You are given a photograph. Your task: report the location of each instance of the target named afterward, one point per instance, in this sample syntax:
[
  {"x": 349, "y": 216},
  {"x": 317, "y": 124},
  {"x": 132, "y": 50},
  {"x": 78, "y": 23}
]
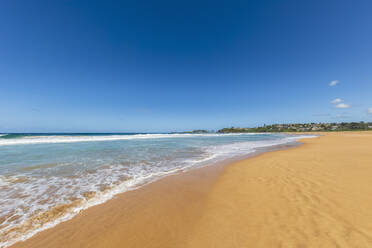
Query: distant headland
[{"x": 302, "y": 127}]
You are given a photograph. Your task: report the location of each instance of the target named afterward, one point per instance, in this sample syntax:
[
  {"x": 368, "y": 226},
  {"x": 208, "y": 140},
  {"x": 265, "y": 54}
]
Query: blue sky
[{"x": 142, "y": 66}]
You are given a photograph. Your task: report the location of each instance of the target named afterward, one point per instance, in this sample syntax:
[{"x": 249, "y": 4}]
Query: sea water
[{"x": 49, "y": 178}]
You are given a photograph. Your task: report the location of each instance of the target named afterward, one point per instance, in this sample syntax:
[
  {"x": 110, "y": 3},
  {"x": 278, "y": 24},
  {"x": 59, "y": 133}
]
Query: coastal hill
[{"x": 302, "y": 127}]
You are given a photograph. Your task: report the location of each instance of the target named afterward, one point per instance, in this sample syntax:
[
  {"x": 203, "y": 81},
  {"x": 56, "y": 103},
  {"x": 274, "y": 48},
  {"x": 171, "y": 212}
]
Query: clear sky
[{"x": 166, "y": 65}]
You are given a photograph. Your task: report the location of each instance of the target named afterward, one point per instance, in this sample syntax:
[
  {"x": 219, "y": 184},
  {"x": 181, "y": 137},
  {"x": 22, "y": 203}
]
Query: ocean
[{"x": 49, "y": 178}]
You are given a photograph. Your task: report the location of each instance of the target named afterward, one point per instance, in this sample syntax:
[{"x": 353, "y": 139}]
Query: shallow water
[{"x": 49, "y": 178}]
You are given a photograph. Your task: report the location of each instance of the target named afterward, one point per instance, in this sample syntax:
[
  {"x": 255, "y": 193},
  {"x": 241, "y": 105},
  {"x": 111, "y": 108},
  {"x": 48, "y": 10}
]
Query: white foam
[
  {"x": 243, "y": 148},
  {"x": 85, "y": 138},
  {"x": 99, "y": 198}
]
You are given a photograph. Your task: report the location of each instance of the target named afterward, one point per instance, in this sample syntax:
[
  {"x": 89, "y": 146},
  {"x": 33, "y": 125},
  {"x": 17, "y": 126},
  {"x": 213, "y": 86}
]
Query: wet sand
[{"x": 316, "y": 195}]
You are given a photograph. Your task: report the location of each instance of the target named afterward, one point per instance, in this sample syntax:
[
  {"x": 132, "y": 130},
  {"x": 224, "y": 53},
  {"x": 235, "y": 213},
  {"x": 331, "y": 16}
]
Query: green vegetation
[{"x": 303, "y": 127}]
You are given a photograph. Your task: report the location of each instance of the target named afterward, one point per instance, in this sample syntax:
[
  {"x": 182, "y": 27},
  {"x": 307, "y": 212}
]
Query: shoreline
[
  {"x": 70, "y": 214},
  {"x": 66, "y": 211},
  {"x": 216, "y": 206},
  {"x": 212, "y": 168}
]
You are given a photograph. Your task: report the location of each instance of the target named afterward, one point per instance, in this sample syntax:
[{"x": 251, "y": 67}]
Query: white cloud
[
  {"x": 370, "y": 111},
  {"x": 333, "y": 83},
  {"x": 337, "y": 100},
  {"x": 342, "y": 105}
]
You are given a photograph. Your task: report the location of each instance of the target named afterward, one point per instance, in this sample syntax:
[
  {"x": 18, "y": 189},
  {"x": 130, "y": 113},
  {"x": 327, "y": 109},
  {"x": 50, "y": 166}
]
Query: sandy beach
[{"x": 318, "y": 194}]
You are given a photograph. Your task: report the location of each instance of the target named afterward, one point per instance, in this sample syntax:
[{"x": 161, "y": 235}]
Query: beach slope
[{"x": 316, "y": 195}]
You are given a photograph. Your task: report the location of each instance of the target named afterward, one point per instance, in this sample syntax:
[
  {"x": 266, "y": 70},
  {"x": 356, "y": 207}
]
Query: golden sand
[{"x": 315, "y": 195}]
